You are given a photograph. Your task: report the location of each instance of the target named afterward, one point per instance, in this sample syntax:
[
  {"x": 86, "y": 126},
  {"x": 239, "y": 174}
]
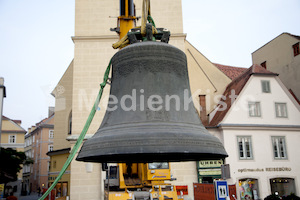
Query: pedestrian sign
[{"x": 221, "y": 189}]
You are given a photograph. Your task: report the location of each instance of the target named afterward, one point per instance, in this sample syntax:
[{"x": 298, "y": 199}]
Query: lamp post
[{"x": 2, "y": 95}]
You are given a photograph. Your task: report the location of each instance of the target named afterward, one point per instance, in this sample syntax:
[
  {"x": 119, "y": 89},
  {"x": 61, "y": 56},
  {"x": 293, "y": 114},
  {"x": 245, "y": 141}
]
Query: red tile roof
[
  {"x": 44, "y": 121},
  {"x": 293, "y": 94},
  {"x": 236, "y": 85},
  {"x": 14, "y": 120},
  {"x": 295, "y": 36},
  {"x": 230, "y": 71}
]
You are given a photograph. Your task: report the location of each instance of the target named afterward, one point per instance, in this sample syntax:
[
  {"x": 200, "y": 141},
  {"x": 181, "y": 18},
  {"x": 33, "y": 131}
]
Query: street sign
[
  {"x": 1, "y": 190},
  {"x": 221, "y": 189}
]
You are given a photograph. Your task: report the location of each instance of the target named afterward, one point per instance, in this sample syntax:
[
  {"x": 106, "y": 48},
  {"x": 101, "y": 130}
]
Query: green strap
[
  {"x": 150, "y": 19},
  {"x": 81, "y": 137}
]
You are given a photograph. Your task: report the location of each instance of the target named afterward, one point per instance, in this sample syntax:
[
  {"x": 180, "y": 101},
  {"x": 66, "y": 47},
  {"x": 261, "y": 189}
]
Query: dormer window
[
  {"x": 265, "y": 86},
  {"x": 296, "y": 49}
]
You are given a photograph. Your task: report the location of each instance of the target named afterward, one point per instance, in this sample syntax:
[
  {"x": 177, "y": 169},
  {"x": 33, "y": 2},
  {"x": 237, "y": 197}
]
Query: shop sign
[
  {"x": 182, "y": 189},
  {"x": 210, "y": 163},
  {"x": 251, "y": 170},
  {"x": 267, "y": 169},
  {"x": 51, "y": 178},
  {"x": 205, "y": 172},
  {"x": 278, "y": 169},
  {"x": 204, "y": 191}
]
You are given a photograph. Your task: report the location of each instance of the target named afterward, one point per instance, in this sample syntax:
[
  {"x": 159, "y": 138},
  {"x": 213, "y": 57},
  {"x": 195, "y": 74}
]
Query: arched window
[{"x": 70, "y": 124}]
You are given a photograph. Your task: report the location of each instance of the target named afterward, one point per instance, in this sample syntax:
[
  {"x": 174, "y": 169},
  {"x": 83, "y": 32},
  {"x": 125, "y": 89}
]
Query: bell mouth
[
  {"x": 152, "y": 157},
  {"x": 151, "y": 142}
]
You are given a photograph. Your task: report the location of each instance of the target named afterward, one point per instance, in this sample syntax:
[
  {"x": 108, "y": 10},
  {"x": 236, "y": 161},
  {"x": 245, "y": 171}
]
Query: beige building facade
[
  {"x": 76, "y": 91},
  {"x": 38, "y": 141},
  {"x": 281, "y": 55},
  {"x": 12, "y": 136},
  {"x": 57, "y": 160}
]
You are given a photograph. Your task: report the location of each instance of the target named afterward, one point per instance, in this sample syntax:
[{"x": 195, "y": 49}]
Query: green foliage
[{"x": 11, "y": 164}]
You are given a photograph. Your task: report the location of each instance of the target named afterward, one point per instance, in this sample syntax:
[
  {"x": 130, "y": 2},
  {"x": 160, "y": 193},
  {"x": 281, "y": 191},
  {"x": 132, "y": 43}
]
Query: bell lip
[{"x": 152, "y": 157}]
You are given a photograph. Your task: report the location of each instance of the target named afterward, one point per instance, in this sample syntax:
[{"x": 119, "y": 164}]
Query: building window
[
  {"x": 245, "y": 147},
  {"x": 264, "y": 64},
  {"x": 281, "y": 110},
  {"x": 296, "y": 49},
  {"x": 279, "y": 147},
  {"x": 254, "y": 109},
  {"x": 51, "y": 134},
  {"x": 50, "y": 147},
  {"x": 12, "y": 139},
  {"x": 265, "y": 85}
]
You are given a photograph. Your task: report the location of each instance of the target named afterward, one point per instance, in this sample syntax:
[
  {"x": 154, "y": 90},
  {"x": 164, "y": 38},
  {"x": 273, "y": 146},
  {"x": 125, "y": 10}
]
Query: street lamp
[{"x": 2, "y": 95}]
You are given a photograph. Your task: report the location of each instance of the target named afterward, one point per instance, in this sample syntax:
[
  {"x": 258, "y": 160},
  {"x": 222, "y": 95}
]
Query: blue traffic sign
[{"x": 221, "y": 189}]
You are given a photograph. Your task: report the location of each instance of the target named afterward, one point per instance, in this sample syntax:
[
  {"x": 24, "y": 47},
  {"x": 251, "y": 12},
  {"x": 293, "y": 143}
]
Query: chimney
[
  {"x": 264, "y": 64},
  {"x": 203, "y": 114},
  {"x": 50, "y": 111}
]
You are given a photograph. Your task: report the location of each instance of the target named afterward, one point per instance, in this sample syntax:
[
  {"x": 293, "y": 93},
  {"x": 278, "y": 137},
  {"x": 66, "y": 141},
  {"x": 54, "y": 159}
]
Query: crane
[{"x": 135, "y": 181}]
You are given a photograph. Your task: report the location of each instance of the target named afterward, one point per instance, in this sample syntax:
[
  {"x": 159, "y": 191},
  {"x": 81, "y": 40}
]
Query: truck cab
[{"x": 137, "y": 181}]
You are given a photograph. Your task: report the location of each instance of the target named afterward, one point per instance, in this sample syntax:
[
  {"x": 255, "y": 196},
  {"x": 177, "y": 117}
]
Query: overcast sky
[{"x": 36, "y": 46}]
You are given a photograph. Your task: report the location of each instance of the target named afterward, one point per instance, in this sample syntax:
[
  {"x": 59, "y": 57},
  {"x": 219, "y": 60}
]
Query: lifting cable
[
  {"x": 82, "y": 135},
  {"x": 146, "y": 16}
]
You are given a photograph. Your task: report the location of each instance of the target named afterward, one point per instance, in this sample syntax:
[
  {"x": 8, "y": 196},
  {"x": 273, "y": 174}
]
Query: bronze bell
[{"x": 151, "y": 116}]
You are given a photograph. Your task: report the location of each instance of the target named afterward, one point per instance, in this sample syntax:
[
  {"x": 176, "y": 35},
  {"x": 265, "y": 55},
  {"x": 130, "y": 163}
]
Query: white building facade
[{"x": 260, "y": 129}]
